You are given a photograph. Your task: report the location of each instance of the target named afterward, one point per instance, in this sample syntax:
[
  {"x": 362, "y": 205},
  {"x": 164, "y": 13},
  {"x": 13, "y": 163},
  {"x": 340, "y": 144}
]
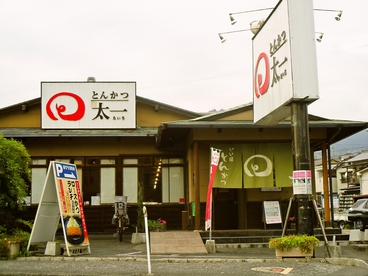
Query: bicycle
[{"x": 120, "y": 218}]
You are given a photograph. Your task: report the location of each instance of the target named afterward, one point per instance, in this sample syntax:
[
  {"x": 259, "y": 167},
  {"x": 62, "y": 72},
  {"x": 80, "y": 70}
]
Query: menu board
[
  {"x": 71, "y": 204},
  {"x": 61, "y": 201},
  {"x": 272, "y": 212}
]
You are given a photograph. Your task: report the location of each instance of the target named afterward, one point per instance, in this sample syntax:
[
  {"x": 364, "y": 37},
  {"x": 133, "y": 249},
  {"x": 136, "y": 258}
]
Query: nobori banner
[
  {"x": 284, "y": 61},
  {"x": 88, "y": 105}
]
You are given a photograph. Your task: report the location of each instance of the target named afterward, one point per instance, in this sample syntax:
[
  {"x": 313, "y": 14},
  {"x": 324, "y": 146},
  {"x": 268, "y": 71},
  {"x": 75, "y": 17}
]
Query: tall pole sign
[
  {"x": 284, "y": 61},
  {"x": 285, "y": 82}
]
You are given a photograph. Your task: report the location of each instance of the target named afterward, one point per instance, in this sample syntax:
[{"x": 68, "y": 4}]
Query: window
[
  {"x": 99, "y": 179},
  {"x": 162, "y": 179},
  {"x": 96, "y": 176},
  {"x": 346, "y": 177}
]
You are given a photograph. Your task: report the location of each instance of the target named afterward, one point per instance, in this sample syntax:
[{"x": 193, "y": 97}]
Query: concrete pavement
[{"x": 109, "y": 257}]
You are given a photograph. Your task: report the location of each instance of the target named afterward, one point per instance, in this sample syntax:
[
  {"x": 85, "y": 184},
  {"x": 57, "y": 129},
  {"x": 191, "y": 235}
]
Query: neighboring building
[
  {"x": 353, "y": 173},
  {"x": 349, "y": 179},
  {"x": 363, "y": 179},
  {"x": 168, "y": 154}
]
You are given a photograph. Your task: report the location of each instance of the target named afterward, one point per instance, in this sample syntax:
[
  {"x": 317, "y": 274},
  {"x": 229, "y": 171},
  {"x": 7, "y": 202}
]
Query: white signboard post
[
  {"x": 284, "y": 61},
  {"x": 88, "y": 105},
  {"x": 61, "y": 199}
]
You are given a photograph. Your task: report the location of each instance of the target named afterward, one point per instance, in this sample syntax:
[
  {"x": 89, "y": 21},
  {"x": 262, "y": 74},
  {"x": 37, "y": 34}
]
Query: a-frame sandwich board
[{"x": 61, "y": 200}]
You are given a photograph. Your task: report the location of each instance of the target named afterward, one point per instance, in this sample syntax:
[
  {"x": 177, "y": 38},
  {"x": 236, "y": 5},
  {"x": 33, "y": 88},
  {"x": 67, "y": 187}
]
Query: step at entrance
[{"x": 177, "y": 242}]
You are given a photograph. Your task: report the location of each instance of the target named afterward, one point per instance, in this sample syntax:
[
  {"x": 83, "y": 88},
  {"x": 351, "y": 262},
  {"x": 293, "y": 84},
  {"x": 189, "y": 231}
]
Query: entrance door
[
  {"x": 225, "y": 209},
  {"x": 255, "y": 215}
]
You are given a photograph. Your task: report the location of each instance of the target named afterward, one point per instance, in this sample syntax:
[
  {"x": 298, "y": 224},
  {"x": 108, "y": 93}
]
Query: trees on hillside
[{"x": 15, "y": 178}]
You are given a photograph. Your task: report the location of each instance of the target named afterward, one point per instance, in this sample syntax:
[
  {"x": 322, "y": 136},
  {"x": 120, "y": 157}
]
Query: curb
[
  {"x": 335, "y": 261},
  {"x": 347, "y": 262}
]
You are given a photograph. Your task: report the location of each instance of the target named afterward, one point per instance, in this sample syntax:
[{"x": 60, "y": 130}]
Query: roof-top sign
[
  {"x": 284, "y": 61},
  {"x": 89, "y": 105}
]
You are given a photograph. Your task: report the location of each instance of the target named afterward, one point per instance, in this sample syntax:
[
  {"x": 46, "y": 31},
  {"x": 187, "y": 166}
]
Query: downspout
[{"x": 196, "y": 186}]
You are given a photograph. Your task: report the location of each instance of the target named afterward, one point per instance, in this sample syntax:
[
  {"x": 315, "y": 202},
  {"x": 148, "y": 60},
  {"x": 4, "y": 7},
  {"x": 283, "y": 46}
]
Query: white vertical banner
[{"x": 215, "y": 157}]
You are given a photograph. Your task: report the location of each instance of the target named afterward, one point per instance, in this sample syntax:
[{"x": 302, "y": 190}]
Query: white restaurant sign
[
  {"x": 284, "y": 61},
  {"x": 88, "y": 105}
]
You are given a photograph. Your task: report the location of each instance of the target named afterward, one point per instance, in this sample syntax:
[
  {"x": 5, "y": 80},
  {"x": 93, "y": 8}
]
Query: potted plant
[
  {"x": 13, "y": 245},
  {"x": 157, "y": 225},
  {"x": 294, "y": 245}
]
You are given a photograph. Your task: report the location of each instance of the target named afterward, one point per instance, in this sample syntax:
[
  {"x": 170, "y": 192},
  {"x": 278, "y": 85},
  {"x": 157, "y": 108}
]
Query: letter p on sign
[{"x": 59, "y": 169}]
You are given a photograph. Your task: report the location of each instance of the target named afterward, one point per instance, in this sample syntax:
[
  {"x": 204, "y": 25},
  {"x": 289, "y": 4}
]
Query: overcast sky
[{"x": 172, "y": 50}]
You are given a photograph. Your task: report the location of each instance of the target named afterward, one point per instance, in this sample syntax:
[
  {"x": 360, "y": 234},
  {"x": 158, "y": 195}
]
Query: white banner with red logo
[
  {"x": 88, "y": 105},
  {"x": 215, "y": 157}
]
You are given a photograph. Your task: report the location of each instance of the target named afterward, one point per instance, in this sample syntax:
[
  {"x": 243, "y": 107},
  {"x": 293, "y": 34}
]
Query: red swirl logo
[
  {"x": 260, "y": 84},
  {"x": 60, "y": 109}
]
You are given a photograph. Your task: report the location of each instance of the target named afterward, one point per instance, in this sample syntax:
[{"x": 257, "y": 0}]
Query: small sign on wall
[{"x": 272, "y": 212}]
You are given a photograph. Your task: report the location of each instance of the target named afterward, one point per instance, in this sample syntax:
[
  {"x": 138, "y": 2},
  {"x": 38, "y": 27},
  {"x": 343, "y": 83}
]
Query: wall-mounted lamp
[
  {"x": 223, "y": 39},
  {"x": 337, "y": 17},
  {"x": 232, "y": 20},
  {"x": 319, "y": 38}
]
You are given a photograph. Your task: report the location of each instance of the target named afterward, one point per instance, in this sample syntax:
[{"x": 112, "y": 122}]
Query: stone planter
[
  {"x": 14, "y": 248},
  {"x": 157, "y": 229},
  {"x": 293, "y": 253},
  {"x": 138, "y": 238},
  {"x": 53, "y": 248}
]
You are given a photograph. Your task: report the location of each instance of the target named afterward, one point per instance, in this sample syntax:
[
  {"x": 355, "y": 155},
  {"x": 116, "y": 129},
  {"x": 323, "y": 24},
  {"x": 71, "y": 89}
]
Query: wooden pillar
[
  {"x": 326, "y": 194},
  {"x": 197, "y": 187}
]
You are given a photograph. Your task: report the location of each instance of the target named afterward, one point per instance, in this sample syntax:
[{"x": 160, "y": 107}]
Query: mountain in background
[{"x": 354, "y": 143}]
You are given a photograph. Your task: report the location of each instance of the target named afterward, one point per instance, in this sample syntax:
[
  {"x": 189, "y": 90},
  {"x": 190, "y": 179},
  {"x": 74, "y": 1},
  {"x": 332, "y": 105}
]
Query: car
[
  {"x": 341, "y": 219},
  {"x": 358, "y": 214}
]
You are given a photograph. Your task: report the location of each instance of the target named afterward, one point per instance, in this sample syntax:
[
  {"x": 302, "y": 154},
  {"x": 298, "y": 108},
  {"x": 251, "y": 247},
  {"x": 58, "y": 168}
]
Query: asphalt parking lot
[{"x": 109, "y": 257}]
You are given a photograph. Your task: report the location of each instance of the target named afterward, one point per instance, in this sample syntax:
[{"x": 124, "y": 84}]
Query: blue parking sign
[{"x": 65, "y": 170}]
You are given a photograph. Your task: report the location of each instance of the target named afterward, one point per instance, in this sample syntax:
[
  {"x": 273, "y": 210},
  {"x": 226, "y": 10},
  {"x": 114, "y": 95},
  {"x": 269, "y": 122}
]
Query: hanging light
[
  {"x": 319, "y": 38},
  {"x": 223, "y": 39},
  {"x": 232, "y": 20},
  {"x": 338, "y": 17}
]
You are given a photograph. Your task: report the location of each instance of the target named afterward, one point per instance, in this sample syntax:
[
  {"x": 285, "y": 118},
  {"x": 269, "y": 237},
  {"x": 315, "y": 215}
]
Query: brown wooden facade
[{"x": 170, "y": 133}]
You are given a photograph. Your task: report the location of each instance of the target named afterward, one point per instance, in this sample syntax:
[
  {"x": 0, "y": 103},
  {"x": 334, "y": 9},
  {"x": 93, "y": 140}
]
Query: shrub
[
  {"x": 305, "y": 243},
  {"x": 4, "y": 249}
]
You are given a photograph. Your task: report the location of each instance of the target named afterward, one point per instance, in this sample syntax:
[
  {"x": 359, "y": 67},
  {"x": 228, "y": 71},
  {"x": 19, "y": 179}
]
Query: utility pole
[{"x": 301, "y": 160}]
